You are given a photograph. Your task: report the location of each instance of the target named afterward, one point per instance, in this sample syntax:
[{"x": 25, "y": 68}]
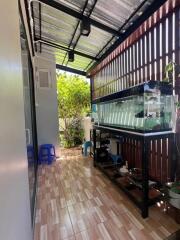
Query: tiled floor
[{"x": 75, "y": 201}]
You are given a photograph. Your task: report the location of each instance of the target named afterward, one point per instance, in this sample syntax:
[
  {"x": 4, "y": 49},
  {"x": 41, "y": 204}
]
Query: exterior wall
[
  {"x": 46, "y": 103},
  {"x": 113, "y": 146},
  {"x": 15, "y": 219},
  {"x": 85, "y": 123}
]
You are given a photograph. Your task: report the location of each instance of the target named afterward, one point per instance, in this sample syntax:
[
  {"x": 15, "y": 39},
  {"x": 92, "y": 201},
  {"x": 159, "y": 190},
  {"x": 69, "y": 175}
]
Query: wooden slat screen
[
  {"x": 143, "y": 55},
  {"x": 160, "y": 157}
]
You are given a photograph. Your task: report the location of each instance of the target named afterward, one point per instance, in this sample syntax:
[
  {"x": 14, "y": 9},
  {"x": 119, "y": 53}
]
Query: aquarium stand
[{"x": 145, "y": 139}]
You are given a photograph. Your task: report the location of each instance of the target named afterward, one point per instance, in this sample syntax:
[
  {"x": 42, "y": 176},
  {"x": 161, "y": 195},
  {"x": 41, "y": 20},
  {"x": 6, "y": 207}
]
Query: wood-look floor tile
[
  {"x": 37, "y": 231},
  {"x": 136, "y": 233},
  {"x": 63, "y": 202},
  {"x": 43, "y": 232},
  {"x": 38, "y": 216},
  {"x": 115, "y": 232},
  {"x": 155, "y": 236},
  {"x": 134, "y": 220},
  {"x": 98, "y": 201},
  {"x": 88, "y": 194},
  {"x": 70, "y": 238},
  {"x": 75, "y": 201},
  {"x": 164, "y": 231},
  {"x": 79, "y": 222},
  {"x": 89, "y": 234},
  {"x": 105, "y": 234},
  {"x": 115, "y": 219},
  {"x": 99, "y": 214}
]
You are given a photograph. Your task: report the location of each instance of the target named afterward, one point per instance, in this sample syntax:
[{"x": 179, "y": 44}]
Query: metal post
[
  {"x": 174, "y": 157},
  {"x": 145, "y": 178},
  {"x": 40, "y": 26},
  {"x": 118, "y": 152},
  {"x": 94, "y": 146},
  {"x": 28, "y": 23}
]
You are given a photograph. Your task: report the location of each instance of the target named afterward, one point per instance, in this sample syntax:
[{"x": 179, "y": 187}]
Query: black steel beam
[
  {"x": 72, "y": 70},
  {"x": 85, "y": 5},
  {"x": 29, "y": 25},
  {"x": 91, "y": 10},
  {"x": 147, "y": 13},
  {"x": 89, "y": 14},
  {"x": 40, "y": 25},
  {"x": 28, "y": 17},
  {"x": 78, "y": 15},
  {"x": 58, "y": 46}
]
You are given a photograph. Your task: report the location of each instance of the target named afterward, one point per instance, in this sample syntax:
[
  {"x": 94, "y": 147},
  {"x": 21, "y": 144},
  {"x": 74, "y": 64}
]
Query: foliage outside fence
[{"x": 73, "y": 105}]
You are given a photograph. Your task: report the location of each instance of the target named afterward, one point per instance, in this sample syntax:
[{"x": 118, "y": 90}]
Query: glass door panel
[{"x": 30, "y": 115}]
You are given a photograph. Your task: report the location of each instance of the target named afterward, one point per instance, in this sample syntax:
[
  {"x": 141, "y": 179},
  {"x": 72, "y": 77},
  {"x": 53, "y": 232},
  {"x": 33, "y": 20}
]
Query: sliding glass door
[{"x": 30, "y": 115}]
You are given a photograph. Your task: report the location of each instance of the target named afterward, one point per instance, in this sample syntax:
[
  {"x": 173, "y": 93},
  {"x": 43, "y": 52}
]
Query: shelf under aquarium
[
  {"x": 123, "y": 182},
  {"x": 143, "y": 192}
]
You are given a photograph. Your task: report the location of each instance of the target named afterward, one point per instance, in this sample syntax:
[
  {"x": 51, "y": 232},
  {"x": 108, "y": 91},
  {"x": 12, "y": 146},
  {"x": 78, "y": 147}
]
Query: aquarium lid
[{"x": 156, "y": 87}]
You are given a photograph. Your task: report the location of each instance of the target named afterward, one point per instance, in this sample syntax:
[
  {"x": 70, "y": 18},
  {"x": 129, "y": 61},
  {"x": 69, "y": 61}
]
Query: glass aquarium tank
[{"x": 148, "y": 107}]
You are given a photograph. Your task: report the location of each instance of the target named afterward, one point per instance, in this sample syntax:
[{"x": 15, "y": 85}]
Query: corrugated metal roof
[{"x": 59, "y": 27}]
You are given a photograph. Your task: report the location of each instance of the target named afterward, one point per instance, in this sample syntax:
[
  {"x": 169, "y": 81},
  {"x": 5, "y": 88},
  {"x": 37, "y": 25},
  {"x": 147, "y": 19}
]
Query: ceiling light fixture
[
  {"x": 139, "y": 13},
  {"x": 85, "y": 27},
  {"x": 71, "y": 56}
]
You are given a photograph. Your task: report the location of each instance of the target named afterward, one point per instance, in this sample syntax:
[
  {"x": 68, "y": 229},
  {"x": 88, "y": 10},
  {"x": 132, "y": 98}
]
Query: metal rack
[{"x": 145, "y": 139}]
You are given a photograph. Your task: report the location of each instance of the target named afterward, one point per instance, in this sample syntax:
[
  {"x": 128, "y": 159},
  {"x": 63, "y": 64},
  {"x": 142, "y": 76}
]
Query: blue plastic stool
[
  {"x": 30, "y": 154},
  {"x": 116, "y": 158},
  {"x": 47, "y": 153},
  {"x": 85, "y": 147}
]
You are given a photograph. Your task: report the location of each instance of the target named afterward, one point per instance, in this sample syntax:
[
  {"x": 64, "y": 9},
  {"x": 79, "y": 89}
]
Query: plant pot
[
  {"x": 174, "y": 199},
  {"x": 123, "y": 171}
]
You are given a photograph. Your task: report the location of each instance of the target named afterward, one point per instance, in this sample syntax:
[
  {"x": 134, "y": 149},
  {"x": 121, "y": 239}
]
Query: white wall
[
  {"x": 87, "y": 126},
  {"x": 15, "y": 219},
  {"x": 113, "y": 146},
  {"x": 46, "y": 103}
]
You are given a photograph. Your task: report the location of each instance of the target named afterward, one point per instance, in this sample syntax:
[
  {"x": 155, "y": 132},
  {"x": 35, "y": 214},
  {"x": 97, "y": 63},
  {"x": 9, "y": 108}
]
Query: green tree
[{"x": 73, "y": 104}]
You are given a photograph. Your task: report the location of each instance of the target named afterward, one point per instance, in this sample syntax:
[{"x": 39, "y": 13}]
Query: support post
[
  {"x": 145, "y": 178},
  {"x": 118, "y": 151},
  {"x": 94, "y": 146},
  {"x": 174, "y": 165}
]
